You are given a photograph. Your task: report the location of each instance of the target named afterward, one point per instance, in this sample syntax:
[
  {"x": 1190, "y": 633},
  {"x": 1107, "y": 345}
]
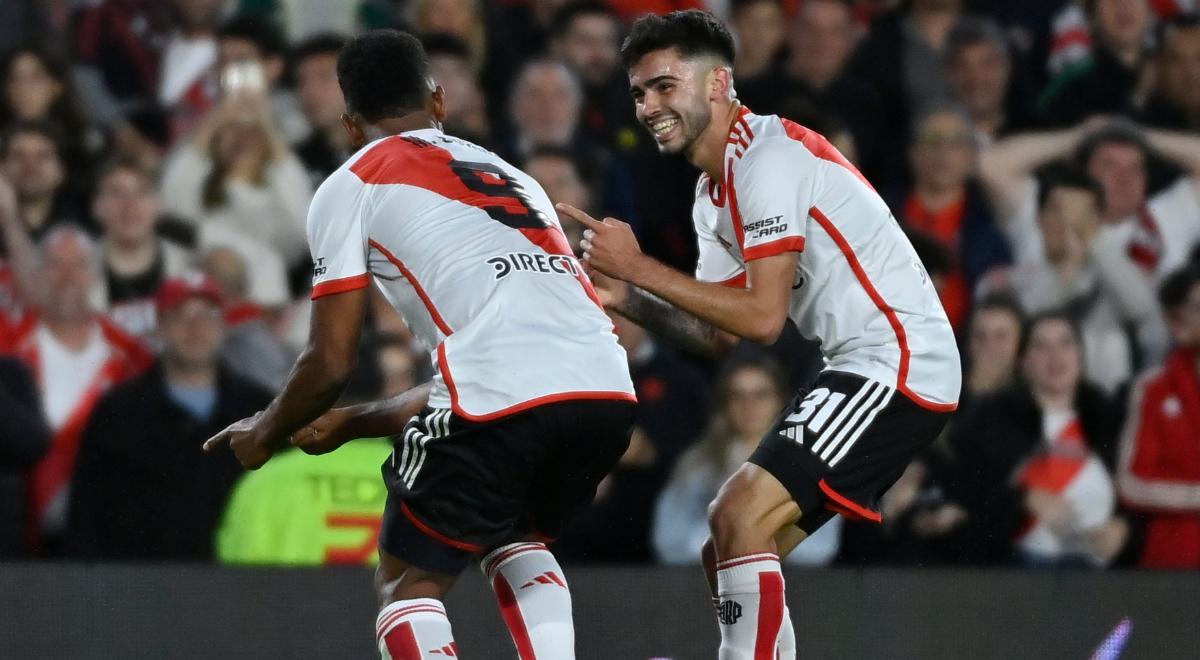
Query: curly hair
[
  {"x": 384, "y": 73},
  {"x": 691, "y": 32}
]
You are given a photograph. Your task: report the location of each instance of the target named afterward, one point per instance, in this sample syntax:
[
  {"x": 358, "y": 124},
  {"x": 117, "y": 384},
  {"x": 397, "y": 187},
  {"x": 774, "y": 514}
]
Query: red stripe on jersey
[
  {"x": 731, "y": 193},
  {"x": 881, "y": 304},
  {"x": 821, "y": 148},
  {"x": 444, "y": 368},
  {"x": 341, "y": 285},
  {"x": 433, "y": 313},
  {"x": 853, "y": 507},
  {"x": 737, "y": 281},
  {"x": 432, "y": 533},
  {"x": 774, "y": 248}
]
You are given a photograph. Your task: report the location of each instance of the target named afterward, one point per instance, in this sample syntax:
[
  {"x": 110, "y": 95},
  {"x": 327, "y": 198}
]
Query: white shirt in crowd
[{"x": 66, "y": 375}]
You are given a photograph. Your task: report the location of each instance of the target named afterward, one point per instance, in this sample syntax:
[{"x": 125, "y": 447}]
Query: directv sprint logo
[{"x": 551, "y": 264}]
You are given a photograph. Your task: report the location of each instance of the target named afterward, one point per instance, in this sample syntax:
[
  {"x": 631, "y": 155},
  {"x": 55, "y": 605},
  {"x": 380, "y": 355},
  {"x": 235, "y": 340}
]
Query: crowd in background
[{"x": 157, "y": 159}]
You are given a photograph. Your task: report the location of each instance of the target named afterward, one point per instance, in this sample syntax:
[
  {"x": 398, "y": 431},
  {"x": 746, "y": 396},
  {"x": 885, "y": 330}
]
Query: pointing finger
[
  {"x": 216, "y": 441},
  {"x": 587, "y": 220}
]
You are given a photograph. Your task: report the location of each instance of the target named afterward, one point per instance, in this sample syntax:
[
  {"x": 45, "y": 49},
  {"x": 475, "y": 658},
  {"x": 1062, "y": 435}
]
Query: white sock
[
  {"x": 415, "y": 629},
  {"x": 751, "y": 612},
  {"x": 534, "y": 600},
  {"x": 787, "y": 637}
]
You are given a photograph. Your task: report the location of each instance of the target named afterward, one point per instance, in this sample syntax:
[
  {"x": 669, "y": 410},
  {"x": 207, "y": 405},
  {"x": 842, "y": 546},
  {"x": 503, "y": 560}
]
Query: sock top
[{"x": 496, "y": 559}]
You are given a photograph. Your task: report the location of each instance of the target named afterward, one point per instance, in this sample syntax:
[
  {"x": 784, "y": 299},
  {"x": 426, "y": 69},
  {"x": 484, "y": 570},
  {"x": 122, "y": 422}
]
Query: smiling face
[{"x": 672, "y": 97}]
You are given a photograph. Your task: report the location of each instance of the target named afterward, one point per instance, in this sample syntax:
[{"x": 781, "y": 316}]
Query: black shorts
[
  {"x": 457, "y": 487},
  {"x": 840, "y": 445}
]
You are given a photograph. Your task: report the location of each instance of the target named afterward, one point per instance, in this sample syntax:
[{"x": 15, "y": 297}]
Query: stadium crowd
[{"x": 157, "y": 159}]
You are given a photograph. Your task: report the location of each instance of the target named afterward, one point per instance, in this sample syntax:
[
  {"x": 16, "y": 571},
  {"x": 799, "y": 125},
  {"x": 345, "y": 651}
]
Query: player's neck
[
  {"x": 414, "y": 121},
  {"x": 708, "y": 151}
]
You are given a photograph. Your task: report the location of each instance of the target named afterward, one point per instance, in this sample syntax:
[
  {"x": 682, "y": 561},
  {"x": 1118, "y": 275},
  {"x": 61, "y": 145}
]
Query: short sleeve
[
  {"x": 773, "y": 190},
  {"x": 337, "y": 235}
]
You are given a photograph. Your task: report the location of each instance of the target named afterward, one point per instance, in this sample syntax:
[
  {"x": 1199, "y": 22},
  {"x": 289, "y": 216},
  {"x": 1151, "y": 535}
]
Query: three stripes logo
[
  {"x": 418, "y": 432},
  {"x": 832, "y": 427},
  {"x": 549, "y": 577}
]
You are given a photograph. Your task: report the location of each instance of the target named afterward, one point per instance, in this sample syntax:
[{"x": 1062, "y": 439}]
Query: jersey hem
[
  {"x": 604, "y": 395},
  {"x": 774, "y": 248},
  {"x": 340, "y": 285}
]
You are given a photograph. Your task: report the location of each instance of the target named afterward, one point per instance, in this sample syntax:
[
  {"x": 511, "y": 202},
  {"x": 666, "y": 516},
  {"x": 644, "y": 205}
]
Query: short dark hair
[
  {"x": 1072, "y": 177},
  {"x": 1116, "y": 132},
  {"x": 327, "y": 43},
  {"x": 41, "y": 127},
  {"x": 384, "y": 73},
  {"x": 1001, "y": 301},
  {"x": 971, "y": 30},
  {"x": 443, "y": 44},
  {"x": 564, "y": 17},
  {"x": 265, "y": 34},
  {"x": 123, "y": 163},
  {"x": 691, "y": 32},
  {"x": 1174, "y": 290}
]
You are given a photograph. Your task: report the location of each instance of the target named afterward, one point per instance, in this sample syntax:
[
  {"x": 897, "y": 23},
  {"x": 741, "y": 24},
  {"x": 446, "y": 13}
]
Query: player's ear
[
  {"x": 721, "y": 83},
  {"x": 438, "y": 104},
  {"x": 358, "y": 138}
]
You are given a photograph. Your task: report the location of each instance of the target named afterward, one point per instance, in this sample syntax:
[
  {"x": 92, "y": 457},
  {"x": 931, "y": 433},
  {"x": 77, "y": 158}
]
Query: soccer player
[
  {"x": 532, "y": 403},
  {"x": 788, "y": 228}
]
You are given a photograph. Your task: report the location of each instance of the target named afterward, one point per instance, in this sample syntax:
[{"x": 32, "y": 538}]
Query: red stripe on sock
[
  {"x": 393, "y": 617},
  {"x": 770, "y": 614},
  {"x": 402, "y": 643},
  {"x": 512, "y": 617},
  {"x": 508, "y": 554}
]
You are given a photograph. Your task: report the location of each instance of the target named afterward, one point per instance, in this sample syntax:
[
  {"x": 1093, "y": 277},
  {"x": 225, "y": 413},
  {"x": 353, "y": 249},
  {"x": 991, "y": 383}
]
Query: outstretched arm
[
  {"x": 314, "y": 385},
  {"x": 669, "y": 322},
  {"x": 1182, "y": 149},
  {"x": 757, "y": 312},
  {"x": 370, "y": 420},
  {"x": 1006, "y": 168}
]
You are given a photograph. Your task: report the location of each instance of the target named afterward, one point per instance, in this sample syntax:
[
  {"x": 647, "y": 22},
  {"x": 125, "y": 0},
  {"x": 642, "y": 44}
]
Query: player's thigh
[
  {"x": 589, "y": 437},
  {"x": 396, "y": 580}
]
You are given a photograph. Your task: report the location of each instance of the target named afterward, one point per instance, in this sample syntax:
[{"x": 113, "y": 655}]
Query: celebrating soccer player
[
  {"x": 532, "y": 403},
  {"x": 788, "y": 228}
]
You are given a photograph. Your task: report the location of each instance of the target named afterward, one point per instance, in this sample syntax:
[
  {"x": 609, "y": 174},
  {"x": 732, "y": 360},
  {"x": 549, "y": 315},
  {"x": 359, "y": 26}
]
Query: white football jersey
[
  {"x": 860, "y": 288},
  {"x": 469, "y": 251}
]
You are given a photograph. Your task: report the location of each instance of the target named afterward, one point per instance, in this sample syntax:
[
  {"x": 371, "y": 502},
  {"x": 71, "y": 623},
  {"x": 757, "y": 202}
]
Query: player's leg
[
  {"x": 412, "y": 623},
  {"x": 587, "y": 439},
  {"x": 535, "y": 601},
  {"x": 751, "y": 508}
]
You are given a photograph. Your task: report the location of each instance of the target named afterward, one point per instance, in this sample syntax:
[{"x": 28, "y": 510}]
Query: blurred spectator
[
  {"x": 1071, "y": 38},
  {"x": 327, "y": 146},
  {"x": 254, "y": 40},
  {"x": 237, "y": 172},
  {"x": 1106, "y": 81},
  {"x": 1159, "y": 464},
  {"x": 32, "y": 161},
  {"x": 119, "y": 47},
  {"x": 250, "y": 349},
  {"x": 24, "y": 439},
  {"x": 136, "y": 259},
  {"x": 401, "y": 370},
  {"x": 466, "y": 107},
  {"x": 1033, "y": 462},
  {"x": 993, "y": 340},
  {"x": 186, "y": 85},
  {"x": 586, "y": 36},
  {"x": 749, "y": 396},
  {"x": 904, "y": 57},
  {"x": 759, "y": 27},
  {"x": 980, "y": 67},
  {"x": 22, "y": 21},
  {"x": 38, "y": 86},
  {"x": 821, "y": 41},
  {"x": 301, "y": 510},
  {"x": 671, "y": 412},
  {"x": 1103, "y": 293},
  {"x": 77, "y": 355},
  {"x": 560, "y": 175},
  {"x": 948, "y": 205},
  {"x": 546, "y": 105},
  {"x": 1156, "y": 232},
  {"x": 1175, "y": 102},
  {"x": 144, "y": 489}
]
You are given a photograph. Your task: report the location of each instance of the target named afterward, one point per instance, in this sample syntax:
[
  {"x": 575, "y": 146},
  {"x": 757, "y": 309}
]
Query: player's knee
[{"x": 727, "y": 515}]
